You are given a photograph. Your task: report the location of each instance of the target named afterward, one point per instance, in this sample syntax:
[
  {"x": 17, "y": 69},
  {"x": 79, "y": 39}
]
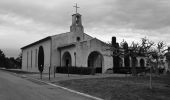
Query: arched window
[{"x": 41, "y": 58}]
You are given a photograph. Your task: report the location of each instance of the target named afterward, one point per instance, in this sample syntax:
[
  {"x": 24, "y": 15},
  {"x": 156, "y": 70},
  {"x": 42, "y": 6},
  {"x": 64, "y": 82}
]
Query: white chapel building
[{"x": 74, "y": 48}]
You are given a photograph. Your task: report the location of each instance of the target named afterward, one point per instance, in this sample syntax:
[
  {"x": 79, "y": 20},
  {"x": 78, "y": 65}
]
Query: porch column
[
  {"x": 138, "y": 64},
  {"x": 130, "y": 59},
  {"x": 123, "y": 62},
  {"x": 145, "y": 60}
]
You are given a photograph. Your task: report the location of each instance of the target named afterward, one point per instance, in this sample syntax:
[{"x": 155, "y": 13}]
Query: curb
[{"x": 64, "y": 88}]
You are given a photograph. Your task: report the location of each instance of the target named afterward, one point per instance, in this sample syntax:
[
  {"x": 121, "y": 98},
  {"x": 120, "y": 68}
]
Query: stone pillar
[
  {"x": 138, "y": 60},
  {"x": 130, "y": 64},
  {"x": 145, "y": 62},
  {"x": 123, "y": 62}
]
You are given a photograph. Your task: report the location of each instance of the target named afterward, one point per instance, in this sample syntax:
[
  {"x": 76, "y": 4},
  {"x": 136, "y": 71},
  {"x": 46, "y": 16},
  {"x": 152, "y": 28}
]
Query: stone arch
[
  {"x": 142, "y": 63},
  {"x": 66, "y": 59},
  {"x": 95, "y": 60},
  {"x": 41, "y": 58}
]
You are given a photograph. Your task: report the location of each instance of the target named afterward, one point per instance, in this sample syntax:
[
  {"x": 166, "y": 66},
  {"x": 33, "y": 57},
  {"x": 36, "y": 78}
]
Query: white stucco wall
[
  {"x": 58, "y": 40},
  {"x": 34, "y": 67},
  {"x": 84, "y": 49},
  {"x": 65, "y": 39}
]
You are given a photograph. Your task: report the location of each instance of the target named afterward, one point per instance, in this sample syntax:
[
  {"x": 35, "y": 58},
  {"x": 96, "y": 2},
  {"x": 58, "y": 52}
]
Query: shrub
[
  {"x": 98, "y": 70},
  {"x": 74, "y": 70},
  {"x": 140, "y": 69},
  {"x": 109, "y": 71},
  {"x": 161, "y": 70},
  {"x": 122, "y": 70},
  {"x": 125, "y": 70}
]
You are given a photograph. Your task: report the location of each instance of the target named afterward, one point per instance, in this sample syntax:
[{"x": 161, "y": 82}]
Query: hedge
[
  {"x": 122, "y": 70},
  {"x": 75, "y": 70},
  {"x": 125, "y": 70},
  {"x": 141, "y": 69}
]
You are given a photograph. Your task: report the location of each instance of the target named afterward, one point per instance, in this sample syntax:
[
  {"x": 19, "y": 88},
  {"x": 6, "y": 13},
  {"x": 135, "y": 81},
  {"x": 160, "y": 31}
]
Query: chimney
[{"x": 113, "y": 41}]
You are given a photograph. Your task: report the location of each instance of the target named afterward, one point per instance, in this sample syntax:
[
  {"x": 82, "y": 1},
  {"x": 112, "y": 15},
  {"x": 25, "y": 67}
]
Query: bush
[
  {"x": 109, "y": 71},
  {"x": 75, "y": 70},
  {"x": 140, "y": 69},
  {"x": 122, "y": 70},
  {"x": 98, "y": 70},
  {"x": 161, "y": 70},
  {"x": 125, "y": 70}
]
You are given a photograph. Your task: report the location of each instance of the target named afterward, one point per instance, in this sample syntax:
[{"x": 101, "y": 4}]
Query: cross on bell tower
[
  {"x": 76, "y": 7},
  {"x": 76, "y": 22}
]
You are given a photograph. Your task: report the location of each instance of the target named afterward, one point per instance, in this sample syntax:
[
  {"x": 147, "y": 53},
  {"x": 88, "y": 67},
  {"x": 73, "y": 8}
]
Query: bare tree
[
  {"x": 160, "y": 50},
  {"x": 134, "y": 51},
  {"x": 124, "y": 51},
  {"x": 114, "y": 52},
  {"x": 146, "y": 48}
]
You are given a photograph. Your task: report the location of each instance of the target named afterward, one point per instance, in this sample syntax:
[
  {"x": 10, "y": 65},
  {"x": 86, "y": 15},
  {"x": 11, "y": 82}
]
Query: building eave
[
  {"x": 66, "y": 46},
  {"x": 34, "y": 43}
]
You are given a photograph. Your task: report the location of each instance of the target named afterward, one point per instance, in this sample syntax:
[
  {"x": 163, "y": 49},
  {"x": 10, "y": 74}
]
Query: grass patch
[{"x": 125, "y": 88}]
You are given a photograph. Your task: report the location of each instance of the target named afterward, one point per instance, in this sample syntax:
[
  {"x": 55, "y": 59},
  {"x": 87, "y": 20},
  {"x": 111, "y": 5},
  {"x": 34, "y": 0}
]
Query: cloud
[
  {"x": 125, "y": 19},
  {"x": 145, "y": 14},
  {"x": 138, "y": 14},
  {"x": 39, "y": 12}
]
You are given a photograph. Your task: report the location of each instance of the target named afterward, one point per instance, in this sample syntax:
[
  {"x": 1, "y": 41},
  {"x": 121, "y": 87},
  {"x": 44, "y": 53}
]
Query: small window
[{"x": 78, "y": 38}]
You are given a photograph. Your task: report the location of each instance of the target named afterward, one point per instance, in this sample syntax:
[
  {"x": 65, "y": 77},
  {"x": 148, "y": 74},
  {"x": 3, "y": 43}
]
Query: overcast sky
[{"x": 25, "y": 21}]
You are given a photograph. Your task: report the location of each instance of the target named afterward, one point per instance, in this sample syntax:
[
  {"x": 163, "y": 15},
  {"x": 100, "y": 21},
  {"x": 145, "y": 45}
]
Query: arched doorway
[
  {"x": 41, "y": 59},
  {"x": 142, "y": 63},
  {"x": 66, "y": 60},
  {"x": 95, "y": 60}
]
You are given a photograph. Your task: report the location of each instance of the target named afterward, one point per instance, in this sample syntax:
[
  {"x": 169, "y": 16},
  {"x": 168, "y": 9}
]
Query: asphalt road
[{"x": 16, "y": 88}]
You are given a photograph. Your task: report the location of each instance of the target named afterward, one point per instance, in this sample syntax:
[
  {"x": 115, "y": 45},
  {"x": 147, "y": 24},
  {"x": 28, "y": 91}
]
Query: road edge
[{"x": 64, "y": 88}]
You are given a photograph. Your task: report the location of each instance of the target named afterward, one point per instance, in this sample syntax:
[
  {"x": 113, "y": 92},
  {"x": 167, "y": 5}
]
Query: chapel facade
[{"x": 74, "y": 48}]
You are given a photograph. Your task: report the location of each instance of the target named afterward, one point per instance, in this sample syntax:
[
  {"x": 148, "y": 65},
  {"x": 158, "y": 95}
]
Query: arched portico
[
  {"x": 66, "y": 59},
  {"x": 142, "y": 63},
  {"x": 95, "y": 60}
]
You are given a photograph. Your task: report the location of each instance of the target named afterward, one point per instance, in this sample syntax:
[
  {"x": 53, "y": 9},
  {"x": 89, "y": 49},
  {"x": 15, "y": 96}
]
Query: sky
[{"x": 25, "y": 21}]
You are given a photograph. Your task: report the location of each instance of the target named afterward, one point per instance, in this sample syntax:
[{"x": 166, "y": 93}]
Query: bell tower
[{"x": 76, "y": 22}]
